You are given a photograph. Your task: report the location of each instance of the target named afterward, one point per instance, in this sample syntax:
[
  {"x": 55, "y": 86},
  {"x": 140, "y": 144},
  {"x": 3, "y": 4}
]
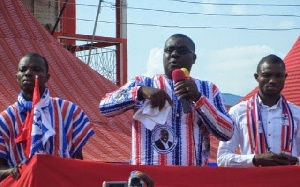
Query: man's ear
[
  {"x": 194, "y": 57},
  {"x": 256, "y": 76},
  {"x": 48, "y": 77}
]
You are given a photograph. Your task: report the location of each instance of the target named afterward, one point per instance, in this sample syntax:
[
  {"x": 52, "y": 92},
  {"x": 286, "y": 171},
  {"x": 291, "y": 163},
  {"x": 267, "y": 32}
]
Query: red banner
[{"x": 49, "y": 171}]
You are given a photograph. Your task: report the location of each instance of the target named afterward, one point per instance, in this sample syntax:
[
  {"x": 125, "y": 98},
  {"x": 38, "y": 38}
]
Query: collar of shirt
[{"x": 277, "y": 105}]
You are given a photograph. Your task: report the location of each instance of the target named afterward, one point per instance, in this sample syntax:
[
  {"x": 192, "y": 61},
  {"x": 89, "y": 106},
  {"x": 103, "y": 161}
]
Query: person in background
[
  {"x": 59, "y": 126},
  {"x": 139, "y": 179},
  {"x": 190, "y": 131},
  {"x": 266, "y": 126}
]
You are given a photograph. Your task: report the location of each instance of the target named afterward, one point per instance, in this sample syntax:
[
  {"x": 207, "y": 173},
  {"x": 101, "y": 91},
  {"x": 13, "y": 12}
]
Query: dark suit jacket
[{"x": 161, "y": 146}]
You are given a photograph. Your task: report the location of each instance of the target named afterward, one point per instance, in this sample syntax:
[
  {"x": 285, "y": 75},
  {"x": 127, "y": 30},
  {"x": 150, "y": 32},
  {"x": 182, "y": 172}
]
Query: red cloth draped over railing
[{"x": 49, "y": 171}]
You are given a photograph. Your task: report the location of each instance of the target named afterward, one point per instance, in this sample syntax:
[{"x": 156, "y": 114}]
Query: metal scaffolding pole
[{"x": 94, "y": 32}]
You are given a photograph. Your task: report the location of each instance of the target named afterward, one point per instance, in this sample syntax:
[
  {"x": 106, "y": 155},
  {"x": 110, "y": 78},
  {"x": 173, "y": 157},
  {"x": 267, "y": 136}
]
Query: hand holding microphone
[{"x": 185, "y": 88}]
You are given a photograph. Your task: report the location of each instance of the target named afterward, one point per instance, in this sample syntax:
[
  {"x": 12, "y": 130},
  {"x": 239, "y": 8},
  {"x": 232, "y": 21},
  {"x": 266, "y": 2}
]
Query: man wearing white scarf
[{"x": 266, "y": 126}]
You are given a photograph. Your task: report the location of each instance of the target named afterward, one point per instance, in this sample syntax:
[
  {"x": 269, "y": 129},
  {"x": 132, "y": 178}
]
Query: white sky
[{"x": 225, "y": 56}]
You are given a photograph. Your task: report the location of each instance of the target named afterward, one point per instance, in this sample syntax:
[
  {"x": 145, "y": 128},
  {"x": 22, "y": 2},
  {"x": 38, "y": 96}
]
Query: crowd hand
[
  {"x": 291, "y": 159},
  {"x": 187, "y": 89},
  {"x": 148, "y": 180},
  {"x": 13, "y": 172},
  {"x": 156, "y": 96},
  {"x": 272, "y": 159}
]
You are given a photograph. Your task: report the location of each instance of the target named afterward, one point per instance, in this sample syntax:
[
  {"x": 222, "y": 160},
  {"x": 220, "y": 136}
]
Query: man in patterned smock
[
  {"x": 188, "y": 132},
  {"x": 60, "y": 127}
]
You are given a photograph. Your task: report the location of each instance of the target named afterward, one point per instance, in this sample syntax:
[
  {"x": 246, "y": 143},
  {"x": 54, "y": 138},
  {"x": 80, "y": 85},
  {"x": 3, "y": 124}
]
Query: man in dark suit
[{"x": 163, "y": 143}]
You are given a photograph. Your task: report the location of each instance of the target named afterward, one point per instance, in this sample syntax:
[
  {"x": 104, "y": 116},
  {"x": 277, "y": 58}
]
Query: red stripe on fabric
[
  {"x": 138, "y": 142},
  {"x": 190, "y": 142},
  {"x": 9, "y": 123},
  {"x": 259, "y": 137},
  {"x": 289, "y": 139},
  {"x": 12, "y": 137},
  {"x": 263, "y": 143},
  {"x": 289, "y": 129},
  {"x": 8, "y": 137},
  {"x": 214, "y": 89},
  {"x": 76, "y": 112},
  {"x": 138, "y": 78},
  {"x": 163, "y": 158},
  {"x": 221, "y": 121},
  {"x": 255, "y": 130},
  {"x": 257, "y": 144},
  {"x": 224, "y": 123},
  {"x": 79, "y": 138},
  {"x": 283, "y": 133},
  {"x": 134, "y": 93},
  {"x": 162, "y": 84},
  {"x": 249, "y": 127},
  {"x": 19, "y": 124},
  {"x": 65, "y": 108},
  {"x": 64, "y": 113},
  {"x": 56, "y": 145},
  {"x": 3, "y": 148},
  {"x": 159, "y": 159},
  {"x": 289, "y": 136}
]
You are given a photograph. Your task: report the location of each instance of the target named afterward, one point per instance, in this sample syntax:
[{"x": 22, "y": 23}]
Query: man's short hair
[
  {"x": 36, "y": 55},
  {"x": 184, "y": 36},
  {"x": 273, "y": 59}
]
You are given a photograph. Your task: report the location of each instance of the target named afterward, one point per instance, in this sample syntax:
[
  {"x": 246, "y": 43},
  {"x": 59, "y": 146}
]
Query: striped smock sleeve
[
  {"x": 4, "y": 137},
  {"x": 77, "y": 125},
  {"x": 211, "y": 109},
  {"x": 124, "y": 98}
]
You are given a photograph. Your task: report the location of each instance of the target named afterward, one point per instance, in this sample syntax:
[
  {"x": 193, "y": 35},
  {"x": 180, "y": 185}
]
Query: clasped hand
[{"x": 272, "y": 159}]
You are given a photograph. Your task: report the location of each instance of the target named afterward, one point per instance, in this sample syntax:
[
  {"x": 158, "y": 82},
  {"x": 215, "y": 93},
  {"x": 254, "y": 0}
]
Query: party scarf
[
  {"x": 36, "y": 128},
  {"x": 256, "y": 131}
]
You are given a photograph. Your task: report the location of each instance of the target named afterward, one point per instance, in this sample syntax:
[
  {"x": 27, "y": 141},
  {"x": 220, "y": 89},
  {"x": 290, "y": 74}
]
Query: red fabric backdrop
[{"x": 49, "y": 171}]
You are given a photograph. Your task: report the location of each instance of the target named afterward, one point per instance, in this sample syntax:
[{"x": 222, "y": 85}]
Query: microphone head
[
  {"x": 178, "y": 75},
  {"x": 186, "y": 72}
]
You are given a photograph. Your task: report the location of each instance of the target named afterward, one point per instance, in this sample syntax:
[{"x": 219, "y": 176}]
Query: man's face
[
  {"x": 28, "y": 68},
  {"x": 164, "y": 135},
  {"x": 271, "y": 79},
  {"x": 178, "y": 53}
]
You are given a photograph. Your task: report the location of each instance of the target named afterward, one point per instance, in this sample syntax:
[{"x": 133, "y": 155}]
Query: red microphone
[{"x": 178, "y": 75}]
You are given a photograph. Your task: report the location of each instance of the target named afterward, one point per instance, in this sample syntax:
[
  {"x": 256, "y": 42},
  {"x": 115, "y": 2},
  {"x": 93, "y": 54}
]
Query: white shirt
[
  {"x": 272, "y": 122},
  {"x": 165, "y": 144}
]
